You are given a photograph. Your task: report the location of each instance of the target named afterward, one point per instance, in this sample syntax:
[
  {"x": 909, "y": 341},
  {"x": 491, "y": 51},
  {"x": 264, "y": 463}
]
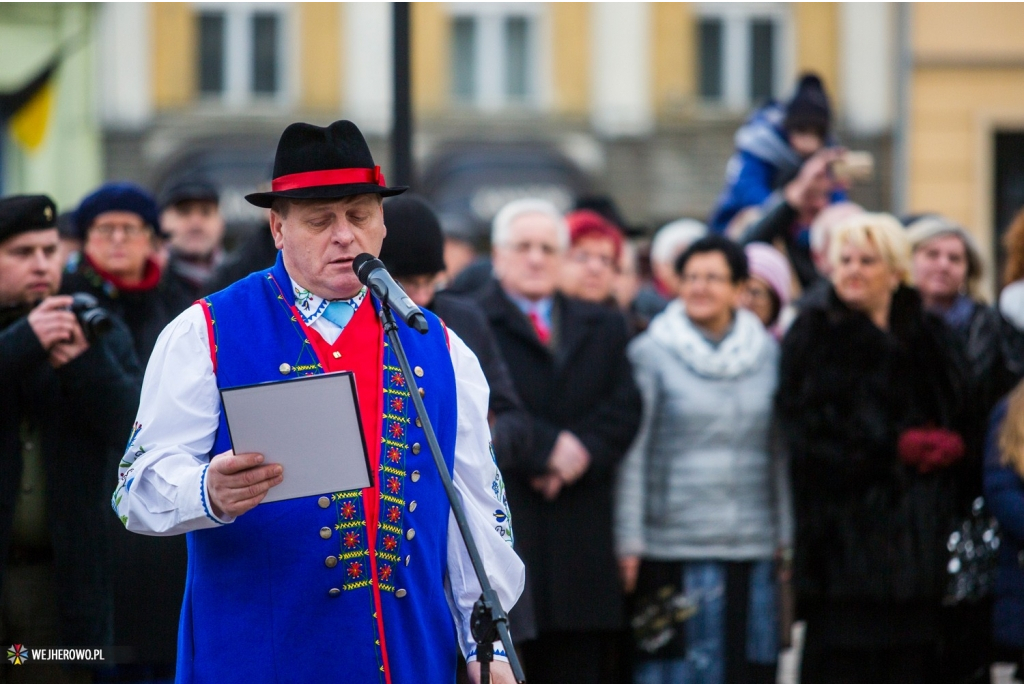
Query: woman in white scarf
[{"x": 703, "y": 502}]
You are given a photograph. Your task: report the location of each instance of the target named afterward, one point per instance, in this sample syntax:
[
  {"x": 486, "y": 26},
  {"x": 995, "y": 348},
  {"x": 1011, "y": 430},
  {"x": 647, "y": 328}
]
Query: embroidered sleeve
[
  {"x": 482, "y": 490},
  {"x": 162, "y": 486}
]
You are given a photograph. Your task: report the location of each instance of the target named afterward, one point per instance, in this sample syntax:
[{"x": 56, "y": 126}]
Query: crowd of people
[{"x": 800, "y": 411}]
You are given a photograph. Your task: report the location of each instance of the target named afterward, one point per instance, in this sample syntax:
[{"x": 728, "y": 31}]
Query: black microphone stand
[{"x": 489, "y": 621}]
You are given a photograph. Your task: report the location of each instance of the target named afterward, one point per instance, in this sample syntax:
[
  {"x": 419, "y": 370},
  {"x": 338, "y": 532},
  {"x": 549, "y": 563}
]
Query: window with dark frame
[
  {"x": 709, "y": 57},
  {"x": 264, "y": 53},
  {"x": 517, "y": 58},
  {"x": 211, "y": 53},
  {"x": 762, "y": 60},
  {"x": 464, "y": 58}
]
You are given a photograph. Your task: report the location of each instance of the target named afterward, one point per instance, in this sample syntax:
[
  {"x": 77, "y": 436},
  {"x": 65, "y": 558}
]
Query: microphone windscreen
[{"x": 359, "y": 262}]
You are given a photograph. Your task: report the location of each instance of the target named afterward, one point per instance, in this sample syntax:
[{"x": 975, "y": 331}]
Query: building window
[
  {"x": 739, "y": 60},
  {"x": 464, "y": 58},
  {"x": 710, "y": 58},
  {"x": 493, "y": 49},
  {"x": 517, "y": 59},
  {"x": 241, "y": 57},
  {"x": 265, "y": 32},
  {"x": 762, "y": 59},
  {"x": 211, "y": 53}
]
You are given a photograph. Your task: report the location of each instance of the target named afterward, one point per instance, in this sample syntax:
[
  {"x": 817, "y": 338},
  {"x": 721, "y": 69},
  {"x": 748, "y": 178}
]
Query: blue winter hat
[{"x": 116, "y": 197}]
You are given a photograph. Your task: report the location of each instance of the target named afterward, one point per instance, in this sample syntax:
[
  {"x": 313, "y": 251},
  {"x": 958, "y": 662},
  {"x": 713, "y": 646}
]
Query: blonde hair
[
  {"x": 1011, "y": 435},
  {"x": 882, "y": 231}
]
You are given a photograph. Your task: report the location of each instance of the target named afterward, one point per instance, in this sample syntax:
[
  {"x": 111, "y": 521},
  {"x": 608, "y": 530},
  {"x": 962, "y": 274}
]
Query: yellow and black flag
[{"x": 27, "y": 109}]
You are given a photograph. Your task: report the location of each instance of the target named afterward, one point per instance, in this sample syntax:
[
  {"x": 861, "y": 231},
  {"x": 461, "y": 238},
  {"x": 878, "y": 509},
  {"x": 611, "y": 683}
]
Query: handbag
[
  {"x": 661, "y": 609},
  {"x": 973, "y": 548}
]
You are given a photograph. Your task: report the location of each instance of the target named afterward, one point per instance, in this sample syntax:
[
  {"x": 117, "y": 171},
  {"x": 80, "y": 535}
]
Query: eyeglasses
[
  {"x": 581, "y": 257},
  {"x": 131, "y": 231},
  {"x": 710, "y": 279}
]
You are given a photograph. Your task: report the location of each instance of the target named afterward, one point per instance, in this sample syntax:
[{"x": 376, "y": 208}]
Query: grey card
[{"x": 309, "y": 425}]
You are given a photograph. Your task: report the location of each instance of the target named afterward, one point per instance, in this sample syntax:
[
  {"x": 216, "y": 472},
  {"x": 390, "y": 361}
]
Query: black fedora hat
[{"x": 323, "y": 163}]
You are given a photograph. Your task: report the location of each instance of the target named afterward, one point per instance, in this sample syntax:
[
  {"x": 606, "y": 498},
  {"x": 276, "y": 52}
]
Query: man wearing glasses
[{"x": 118, "y": 265}]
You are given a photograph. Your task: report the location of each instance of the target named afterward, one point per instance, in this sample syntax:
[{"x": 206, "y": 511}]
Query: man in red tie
[{"x": 567, "y": 360}]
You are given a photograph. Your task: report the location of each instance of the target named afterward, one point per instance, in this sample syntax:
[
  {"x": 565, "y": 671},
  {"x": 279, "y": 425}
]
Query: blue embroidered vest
[{"x": 287, "y": 592}]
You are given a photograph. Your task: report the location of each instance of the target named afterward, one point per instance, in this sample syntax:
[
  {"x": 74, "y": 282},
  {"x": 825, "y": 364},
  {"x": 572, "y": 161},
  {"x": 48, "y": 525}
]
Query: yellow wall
[
  {"x": 968, "y": 82},
  {"x": 429, "y": 27},
  {"x": 673, "y": 54},
  {"x": 816, "y": 25},
  {"x": 978, "y": 30},
  {"x": 570, "y": 54},
  {"x": 173, "y": 31},
  {"x": 320, "y": 50},
  {"x": 955, "y": 113}
]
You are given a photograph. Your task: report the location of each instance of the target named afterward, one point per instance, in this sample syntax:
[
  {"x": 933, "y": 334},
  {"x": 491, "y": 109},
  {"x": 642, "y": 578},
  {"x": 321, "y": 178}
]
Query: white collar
[{"x": 311, "y": 306}]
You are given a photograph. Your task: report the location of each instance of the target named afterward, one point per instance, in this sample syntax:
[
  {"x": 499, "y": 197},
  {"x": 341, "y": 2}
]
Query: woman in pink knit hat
[{"x": 769, "y": 288}]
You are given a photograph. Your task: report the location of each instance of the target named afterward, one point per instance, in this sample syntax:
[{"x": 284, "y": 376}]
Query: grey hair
[
  {"x": 673, "y": 238},
  {"x": 501, "y": 227}
]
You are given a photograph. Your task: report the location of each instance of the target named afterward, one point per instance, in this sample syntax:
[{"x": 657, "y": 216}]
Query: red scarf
[{"x": 150, "y": 277}]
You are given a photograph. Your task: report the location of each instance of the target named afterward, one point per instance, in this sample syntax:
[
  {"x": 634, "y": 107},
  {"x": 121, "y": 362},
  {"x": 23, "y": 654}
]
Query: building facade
[
  {"x": 638, "y": 100},
  {"x": 642, "y": 99},
  {"x": 965, "y": 115}
]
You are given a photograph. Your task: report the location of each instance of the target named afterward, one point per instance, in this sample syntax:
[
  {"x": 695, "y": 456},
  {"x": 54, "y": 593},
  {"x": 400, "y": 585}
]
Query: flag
[{"x": 28, "y": 108}]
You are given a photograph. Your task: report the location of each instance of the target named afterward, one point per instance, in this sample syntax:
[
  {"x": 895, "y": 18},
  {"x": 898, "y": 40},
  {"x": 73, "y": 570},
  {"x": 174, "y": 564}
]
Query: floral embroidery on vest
[{"x": 394, "y": 446}]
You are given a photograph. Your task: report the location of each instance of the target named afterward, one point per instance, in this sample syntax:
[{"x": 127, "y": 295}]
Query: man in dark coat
[
  {"x": 67, "y": 404},
  {"x": 118, "y": 223},
  {"x": 413, "y": 252},
  {"x": 190, "y": 216},
  {"x": 571, "y": 371}
]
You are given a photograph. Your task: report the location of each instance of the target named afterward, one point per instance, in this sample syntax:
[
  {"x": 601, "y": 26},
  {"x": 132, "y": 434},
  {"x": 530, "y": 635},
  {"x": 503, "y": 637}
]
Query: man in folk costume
[{"x": 358, "y": 586}]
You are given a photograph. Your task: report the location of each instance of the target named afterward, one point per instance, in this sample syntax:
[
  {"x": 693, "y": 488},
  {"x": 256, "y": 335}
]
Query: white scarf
[{"x": 737, "y": 354}]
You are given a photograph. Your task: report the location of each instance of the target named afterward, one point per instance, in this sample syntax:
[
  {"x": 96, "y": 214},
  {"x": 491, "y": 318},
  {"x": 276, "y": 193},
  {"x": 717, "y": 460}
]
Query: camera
[{"x": 94, "y": 320}]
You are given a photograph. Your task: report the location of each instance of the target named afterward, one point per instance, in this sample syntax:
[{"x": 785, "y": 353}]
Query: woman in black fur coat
[{"x": 870, "y": 402}]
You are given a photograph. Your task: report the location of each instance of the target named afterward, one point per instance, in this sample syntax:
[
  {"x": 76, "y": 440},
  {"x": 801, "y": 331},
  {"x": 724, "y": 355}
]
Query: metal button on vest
[
  {"x": 416, "y": 448},
  {"x": 419, "y": 424},
  {"x": 334, "y": 592},
  {"x": 331, "y": 562},
  {"x": 423, "y": 392},
  {"x": 285, "y": 368},
  {"x": 415, "y": 476},
  {"x": 408, "y": 558},
  {"x": 412, "y": 505},
  {"x": 324, "y": 502},
  {"x": 410, "y": 534},
  {"x": 418, "y": 371},
  {"x": 400, "y": 593},
  {"x": 325, "y": 532}
]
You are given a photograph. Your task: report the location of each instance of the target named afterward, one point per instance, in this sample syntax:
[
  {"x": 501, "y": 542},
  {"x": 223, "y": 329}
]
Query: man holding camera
[{"x": 68, "y": 400}]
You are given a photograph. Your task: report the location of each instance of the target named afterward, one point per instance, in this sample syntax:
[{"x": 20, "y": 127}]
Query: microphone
[{"x": 373, "y": 274}]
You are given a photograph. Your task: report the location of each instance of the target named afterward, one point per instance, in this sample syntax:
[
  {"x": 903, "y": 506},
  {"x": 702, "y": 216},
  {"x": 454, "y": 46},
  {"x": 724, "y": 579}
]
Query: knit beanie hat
[
  {"x": 809, "y": 107},
  {"x": 769, "y": 265},
  {"x": 414, "y": 244},
  {"x": 116, "y": 197}
]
